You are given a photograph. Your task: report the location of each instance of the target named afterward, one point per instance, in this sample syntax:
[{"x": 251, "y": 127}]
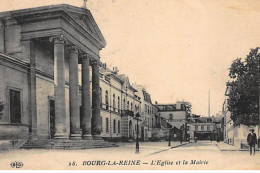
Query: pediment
[
  {"x": 80, "y": 18},
  {"x": 87, "y": 21}
]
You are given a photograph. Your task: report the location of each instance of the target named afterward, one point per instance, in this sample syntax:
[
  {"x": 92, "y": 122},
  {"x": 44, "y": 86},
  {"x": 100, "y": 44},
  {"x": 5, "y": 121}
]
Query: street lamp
[
  {"x": 182, "y": 129},
  {"x": 137, "y": 116},
  {"x": 169, "y": 144}
]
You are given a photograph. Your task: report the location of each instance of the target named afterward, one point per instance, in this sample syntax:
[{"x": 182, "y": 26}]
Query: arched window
[
  {"x": 118, "y": 104},
  {"x": 107, "y": 125},
  {"x": 131, "y": 106},
  {"x": 114, "y": 126},
  {"x": 114, "y": 102},
  {"x": 118, "y": 124},
  {"x": 124, "y": 104},
  {"x": 107, "y": 105},
  {"x": 127, "y": 106},
  {"x": 100, "y": 93},
  {"x": 130, "y": 129}
]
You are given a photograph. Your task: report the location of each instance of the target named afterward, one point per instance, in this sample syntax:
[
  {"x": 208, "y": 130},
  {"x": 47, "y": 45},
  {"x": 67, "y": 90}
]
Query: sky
[{"x": 178, "y": 49}]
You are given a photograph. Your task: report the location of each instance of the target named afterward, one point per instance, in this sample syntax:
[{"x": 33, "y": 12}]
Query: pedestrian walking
[{"x": 252, "y": 141}]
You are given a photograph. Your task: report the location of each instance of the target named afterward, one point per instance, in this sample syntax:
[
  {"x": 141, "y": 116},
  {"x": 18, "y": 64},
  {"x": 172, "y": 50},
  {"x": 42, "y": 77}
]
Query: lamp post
[
  {"x": 137, "y": 116},
  {"x": 169, "y": 144},
  {"x": 181, "y": 136}
]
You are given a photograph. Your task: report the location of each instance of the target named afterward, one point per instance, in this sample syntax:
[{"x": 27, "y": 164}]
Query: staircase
[
  {"x": 58, "y": 144},
  {"x": 36, "y": 144}
]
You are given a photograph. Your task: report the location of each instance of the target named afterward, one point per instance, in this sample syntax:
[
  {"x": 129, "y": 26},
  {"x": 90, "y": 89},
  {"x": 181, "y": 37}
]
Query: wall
[
  {"x": 240, "y": 134},
  {"x": 105, "y": 114},
  {"x": 13, "y": 77}
]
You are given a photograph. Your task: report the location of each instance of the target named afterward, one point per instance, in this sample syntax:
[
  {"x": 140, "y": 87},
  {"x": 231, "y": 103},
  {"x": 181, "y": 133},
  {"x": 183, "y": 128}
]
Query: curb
[
  {"x": 236, "y": 149},
  {"x": 180, "y": 145},
  {"x": 167, "y": 149}
]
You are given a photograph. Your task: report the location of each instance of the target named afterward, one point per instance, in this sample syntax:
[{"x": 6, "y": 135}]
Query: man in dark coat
[{"x": 251, "y": 140}]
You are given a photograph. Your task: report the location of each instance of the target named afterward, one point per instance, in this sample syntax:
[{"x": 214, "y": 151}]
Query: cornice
[{"x": 59, "y": 11}]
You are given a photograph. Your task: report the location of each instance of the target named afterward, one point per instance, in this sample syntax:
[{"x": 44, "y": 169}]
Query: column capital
[
  {"x": 94, "y": 63},
  {"x": 85, "y": 56},
  {"x": 58, "y": 39},
  {"x": 73, "y": 49}
]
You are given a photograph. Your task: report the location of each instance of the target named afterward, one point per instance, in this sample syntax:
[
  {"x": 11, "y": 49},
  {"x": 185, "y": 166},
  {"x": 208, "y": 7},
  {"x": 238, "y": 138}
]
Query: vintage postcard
[{"x": 129, "y": 85}]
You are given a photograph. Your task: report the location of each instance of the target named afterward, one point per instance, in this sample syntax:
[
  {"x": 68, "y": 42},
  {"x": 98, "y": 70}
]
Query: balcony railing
[{"x": 127, "y": 113}]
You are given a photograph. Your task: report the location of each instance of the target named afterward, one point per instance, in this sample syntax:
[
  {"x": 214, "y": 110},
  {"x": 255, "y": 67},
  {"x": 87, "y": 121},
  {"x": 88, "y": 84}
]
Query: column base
[
  {"x": 87, "y": 137},
  {"x": 75, "y": 137},
  {"x": 61, "y": 136},
  {"x": 33, "y": 137},
  {"x": 97, "y": 137}
]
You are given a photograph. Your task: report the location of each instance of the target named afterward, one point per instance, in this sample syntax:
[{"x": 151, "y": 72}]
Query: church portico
[{"x": 54, "y": 40}]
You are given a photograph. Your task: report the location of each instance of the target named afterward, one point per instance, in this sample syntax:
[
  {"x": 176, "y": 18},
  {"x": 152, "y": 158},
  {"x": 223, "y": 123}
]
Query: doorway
[{"x": 52, "y": 117}]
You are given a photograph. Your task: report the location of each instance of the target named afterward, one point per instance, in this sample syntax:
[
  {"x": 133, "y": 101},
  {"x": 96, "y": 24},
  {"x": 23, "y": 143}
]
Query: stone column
[
  {"x": 59, "y": 87},
  {"x": 29, "y": 54},
  {"x": 96, "y": 118},
  {"x": 86, "y": 105},
  {"x": 74, "y": 93}
]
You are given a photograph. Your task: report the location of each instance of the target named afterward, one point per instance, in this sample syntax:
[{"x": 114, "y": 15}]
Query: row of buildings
[
  {"x": 206, "y": 128},
  {"x": 54, "y": 86}
]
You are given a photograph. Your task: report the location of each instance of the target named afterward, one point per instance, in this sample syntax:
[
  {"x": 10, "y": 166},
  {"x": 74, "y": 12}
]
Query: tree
[{"x": 243, "y": 101}]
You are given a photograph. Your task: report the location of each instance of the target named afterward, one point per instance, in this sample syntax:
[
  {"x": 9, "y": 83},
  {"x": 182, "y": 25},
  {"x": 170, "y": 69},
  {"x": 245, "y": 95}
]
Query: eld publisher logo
[{"x": 16, "y": 164}]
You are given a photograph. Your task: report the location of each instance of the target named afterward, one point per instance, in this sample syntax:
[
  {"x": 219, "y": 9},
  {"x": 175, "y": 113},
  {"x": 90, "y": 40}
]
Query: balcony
[{"x": 127, "y": 113}]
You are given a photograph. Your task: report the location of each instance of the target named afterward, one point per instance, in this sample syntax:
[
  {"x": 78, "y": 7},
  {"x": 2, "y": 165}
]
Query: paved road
[
  {"x": 200, "y": 155},
  {"x": 207, "y": 155}
]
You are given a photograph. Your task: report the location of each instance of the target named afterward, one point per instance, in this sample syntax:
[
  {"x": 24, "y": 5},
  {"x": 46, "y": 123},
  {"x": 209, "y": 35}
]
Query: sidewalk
[
  {"x": 227, "y": 147},
  {"x": 151, "y": 148}
]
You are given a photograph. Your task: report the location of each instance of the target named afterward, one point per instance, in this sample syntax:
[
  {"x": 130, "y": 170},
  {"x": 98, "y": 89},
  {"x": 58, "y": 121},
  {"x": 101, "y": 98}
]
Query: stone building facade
[
  {"x": 176, "y": 115},
  {"x": 119, "y": 105},
  {"x": 148, "y": 112},
  {"x": 205, "y": 128},
  {"x": 54, "y": 85},
  {"x": 42, "y": 51}
]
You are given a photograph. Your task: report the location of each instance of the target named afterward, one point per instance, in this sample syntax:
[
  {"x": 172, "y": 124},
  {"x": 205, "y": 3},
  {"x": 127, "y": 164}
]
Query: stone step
[{"x": 66, "y": 144}]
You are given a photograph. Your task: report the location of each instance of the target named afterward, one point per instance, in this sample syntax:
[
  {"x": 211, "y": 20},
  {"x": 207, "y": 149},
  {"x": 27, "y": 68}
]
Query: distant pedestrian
[
  {"x": 252, "y": 141},
  {"x": 195, "y": 139}
]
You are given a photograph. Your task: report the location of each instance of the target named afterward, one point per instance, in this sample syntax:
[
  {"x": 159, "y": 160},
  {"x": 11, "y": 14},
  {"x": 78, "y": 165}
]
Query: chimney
[{"x": 115, "y": 70}]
